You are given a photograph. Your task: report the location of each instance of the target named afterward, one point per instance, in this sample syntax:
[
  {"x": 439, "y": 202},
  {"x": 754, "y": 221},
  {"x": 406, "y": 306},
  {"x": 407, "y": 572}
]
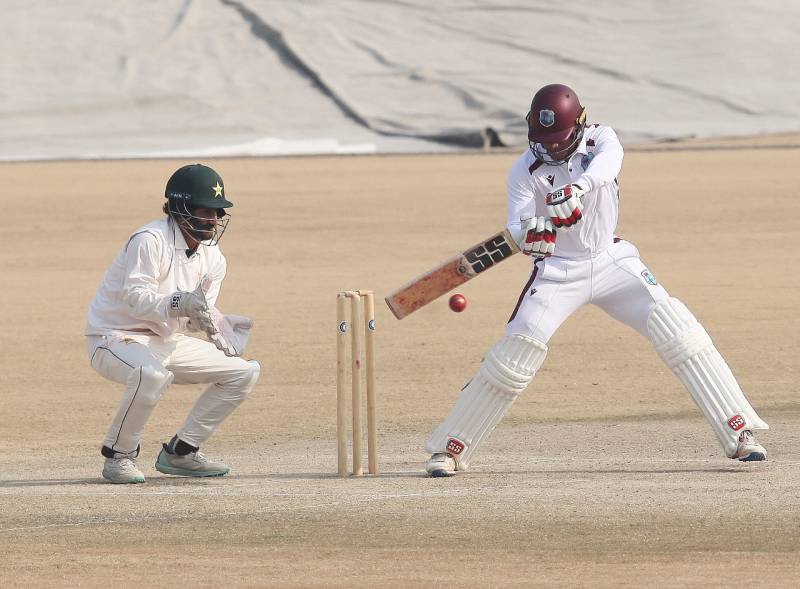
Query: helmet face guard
[
  {"x": 202, "y": 229},
  {"x": 563, "y": 154},
  {"x": 556, "y": 117}
]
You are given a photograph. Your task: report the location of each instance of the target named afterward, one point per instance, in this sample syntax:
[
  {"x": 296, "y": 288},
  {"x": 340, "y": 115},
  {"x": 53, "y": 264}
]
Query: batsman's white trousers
[
  {"x": 148, "y": 364},
  {"x": 615, "y": 280}
]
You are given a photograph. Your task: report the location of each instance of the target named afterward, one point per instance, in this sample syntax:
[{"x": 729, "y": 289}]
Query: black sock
[
  {"x": 181, "y": 448},
  {"x": 109, "y": 453}
]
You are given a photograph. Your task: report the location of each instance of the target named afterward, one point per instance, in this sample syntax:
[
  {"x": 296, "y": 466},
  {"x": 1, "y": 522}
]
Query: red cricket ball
[{"x": 458, "y": 303}]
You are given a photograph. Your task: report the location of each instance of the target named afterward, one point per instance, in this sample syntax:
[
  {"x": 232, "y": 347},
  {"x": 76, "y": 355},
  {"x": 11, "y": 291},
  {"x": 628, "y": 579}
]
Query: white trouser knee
[
  {"x": 687, "y": 349},
  {"x": 217, "y": 402},
  {"x": 143, "y": 390},
  {"x": 505, "y": 372}
]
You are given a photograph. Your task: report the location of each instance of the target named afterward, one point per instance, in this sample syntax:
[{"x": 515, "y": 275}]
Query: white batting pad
[
  {"x": 507, "y": 369},
  {"x": 687, "y": 349},
  {"x": 143, "y": 390}
]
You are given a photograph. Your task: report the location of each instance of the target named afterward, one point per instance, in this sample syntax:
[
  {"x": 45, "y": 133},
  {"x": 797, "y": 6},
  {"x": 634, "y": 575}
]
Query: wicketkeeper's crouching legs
[
  {"x": 505, "y": 372},
  {"x": 137, "y": 362}
]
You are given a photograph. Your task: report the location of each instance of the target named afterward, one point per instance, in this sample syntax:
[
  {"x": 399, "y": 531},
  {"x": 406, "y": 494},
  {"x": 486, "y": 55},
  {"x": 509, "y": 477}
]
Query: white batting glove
[
  {"x": 565, "y": 205},
  {"x": 233, "y": 333},
  {"x": 538, "y": 238}
]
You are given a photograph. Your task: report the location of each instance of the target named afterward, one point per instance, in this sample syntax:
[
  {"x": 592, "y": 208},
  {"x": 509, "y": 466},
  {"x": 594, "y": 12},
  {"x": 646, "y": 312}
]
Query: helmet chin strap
[{"x": 542, "y": 154}]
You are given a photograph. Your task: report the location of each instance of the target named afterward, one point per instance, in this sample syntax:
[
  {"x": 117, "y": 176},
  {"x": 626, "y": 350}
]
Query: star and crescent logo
[{"x": 217, "y": 190}]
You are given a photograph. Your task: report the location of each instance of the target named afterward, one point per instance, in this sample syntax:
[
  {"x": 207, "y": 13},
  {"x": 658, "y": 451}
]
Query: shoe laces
[
  {"x": 197, "y": 457},
  {"x": 747, "y": 437},
  {"x": 126, "y": 464}
]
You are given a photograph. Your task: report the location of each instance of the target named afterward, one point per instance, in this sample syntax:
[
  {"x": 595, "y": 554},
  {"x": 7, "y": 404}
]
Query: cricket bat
[{"x": 451, "y": 273}]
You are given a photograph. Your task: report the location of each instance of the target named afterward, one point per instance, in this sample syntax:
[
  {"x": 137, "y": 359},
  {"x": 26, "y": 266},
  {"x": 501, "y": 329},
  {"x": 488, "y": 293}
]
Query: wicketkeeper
[{"x": 163, "y": 284}]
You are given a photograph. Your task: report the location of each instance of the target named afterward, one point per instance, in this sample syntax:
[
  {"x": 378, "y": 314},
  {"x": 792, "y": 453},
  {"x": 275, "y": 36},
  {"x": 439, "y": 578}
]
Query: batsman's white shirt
[
  {"x": 135, "y": 292},
  {"x": 595, "y": 166}
]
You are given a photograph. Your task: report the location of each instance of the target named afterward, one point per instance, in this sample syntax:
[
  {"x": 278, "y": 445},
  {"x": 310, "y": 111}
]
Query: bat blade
[{"x": 452, "y": 272}]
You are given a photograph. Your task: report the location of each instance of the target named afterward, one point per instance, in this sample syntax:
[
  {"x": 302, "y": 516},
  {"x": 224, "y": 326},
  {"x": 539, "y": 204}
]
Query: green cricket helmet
[{"x": 195, "y": 187}]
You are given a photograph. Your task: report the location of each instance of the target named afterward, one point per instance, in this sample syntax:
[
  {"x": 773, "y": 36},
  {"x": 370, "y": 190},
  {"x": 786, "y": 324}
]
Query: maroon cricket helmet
[{"x": 555, "y": 114}]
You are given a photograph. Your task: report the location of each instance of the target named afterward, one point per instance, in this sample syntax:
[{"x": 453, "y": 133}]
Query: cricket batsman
[{"x": 563, "y": 206}]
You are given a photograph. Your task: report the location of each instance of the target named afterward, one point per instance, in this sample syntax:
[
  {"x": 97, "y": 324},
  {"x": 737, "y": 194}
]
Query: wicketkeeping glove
[
  {"x": 539, "y": 237},
  {"x": 565, "y": 205},
  {"x": 194, "y": 306},
  {"x": 233, "y": 333}
]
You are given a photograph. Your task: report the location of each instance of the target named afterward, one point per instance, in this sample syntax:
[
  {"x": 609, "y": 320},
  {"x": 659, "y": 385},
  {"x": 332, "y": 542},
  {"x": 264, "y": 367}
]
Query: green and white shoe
[{"x": 194, "y": 464}]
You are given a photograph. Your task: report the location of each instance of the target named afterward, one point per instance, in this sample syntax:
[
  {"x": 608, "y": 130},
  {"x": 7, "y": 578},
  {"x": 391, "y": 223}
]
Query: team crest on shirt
[
  {"x": 551, "y": 179},
  {"x": 586, "y": 160},
  {"x": 648, "y": 277}
]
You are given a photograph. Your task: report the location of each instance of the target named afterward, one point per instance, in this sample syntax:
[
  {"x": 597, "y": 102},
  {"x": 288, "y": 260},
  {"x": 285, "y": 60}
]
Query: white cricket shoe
[
  {"x": 441, "y": 464},
  {"x": 749, "y": 450},
  {"x": 122, "y": 471},
  {"x": 194, "y": 464}
]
